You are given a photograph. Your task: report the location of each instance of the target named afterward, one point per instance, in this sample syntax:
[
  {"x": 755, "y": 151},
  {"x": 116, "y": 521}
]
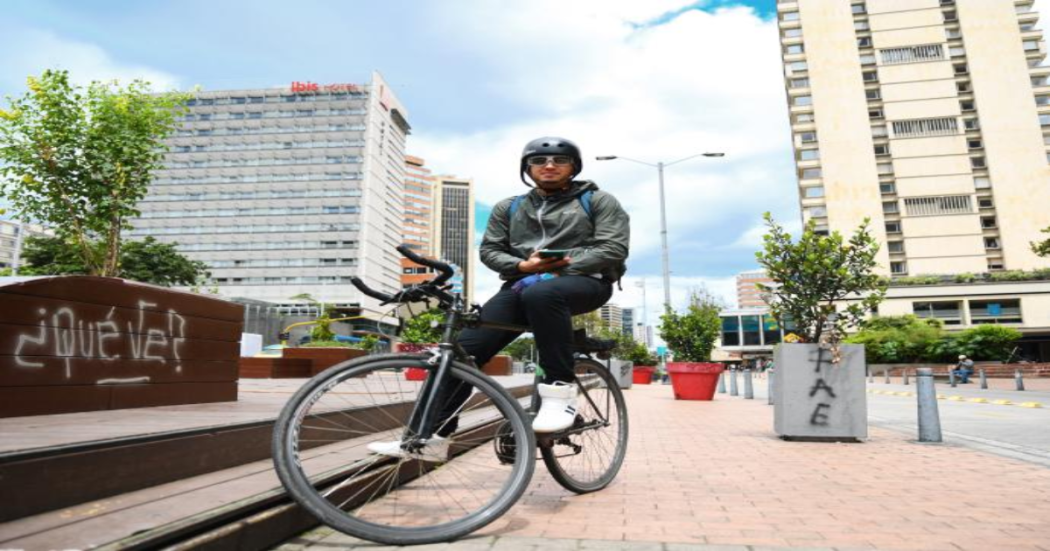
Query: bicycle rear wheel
[
  {"x": 588, "y": 460},
  {"x": 320, "y": 453}
]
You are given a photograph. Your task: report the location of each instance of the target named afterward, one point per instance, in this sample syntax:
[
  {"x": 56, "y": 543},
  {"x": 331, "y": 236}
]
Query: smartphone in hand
[{"x": 554, "y": 253}]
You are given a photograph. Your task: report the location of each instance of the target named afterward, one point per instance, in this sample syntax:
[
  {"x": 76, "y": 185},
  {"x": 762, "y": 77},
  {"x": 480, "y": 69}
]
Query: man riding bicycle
[{"x": 559, "y": 249}]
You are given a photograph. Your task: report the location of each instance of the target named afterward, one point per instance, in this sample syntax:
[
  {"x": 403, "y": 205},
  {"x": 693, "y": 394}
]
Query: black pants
[{"x": 547, "y": 307}]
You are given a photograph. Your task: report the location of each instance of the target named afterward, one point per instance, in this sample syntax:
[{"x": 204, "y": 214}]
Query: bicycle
[{"x": 415, "y": 498}]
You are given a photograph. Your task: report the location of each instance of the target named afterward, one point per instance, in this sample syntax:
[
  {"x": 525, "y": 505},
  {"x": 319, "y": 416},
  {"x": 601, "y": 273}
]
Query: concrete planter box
[
  {"x": 275, "y": 368},
  {"x": 623, "y": 372},
  {"x": 817, "y": 400},
  {"x": 499, "y": 366}
]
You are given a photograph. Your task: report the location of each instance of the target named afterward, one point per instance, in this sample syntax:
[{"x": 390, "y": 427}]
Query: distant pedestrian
[{"x": 963, "y": 369}]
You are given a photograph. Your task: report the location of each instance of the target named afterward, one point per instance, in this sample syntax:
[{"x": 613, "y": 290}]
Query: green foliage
[
  {"x": 1039, "y": 274},
  {"x": 907, "y": 339},
  {"x": 815, "y": 274},
  {"x": 898, "y": 339},
  {"x": 520, "y": 349},
  {"x": 322, "y": 329},
  {"x": 80, "y": 159},
  {"x": 1042, "y": 248},
  {"x": 691, "y": 335},
  {"x": 330, "y": 344},
  {"x": 148, "y": 261},
  {"x": 420, "y": 329},
  {"x": 639, "y": 355}
]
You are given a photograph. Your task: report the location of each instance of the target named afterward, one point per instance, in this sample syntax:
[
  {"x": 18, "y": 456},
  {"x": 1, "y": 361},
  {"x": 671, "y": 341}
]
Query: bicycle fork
[{"x": 423, "y": 421}]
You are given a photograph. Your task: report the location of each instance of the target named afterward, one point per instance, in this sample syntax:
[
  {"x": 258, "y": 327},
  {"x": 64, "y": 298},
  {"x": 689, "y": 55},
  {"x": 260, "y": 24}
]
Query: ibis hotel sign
[{"x": 310, "y": 87}]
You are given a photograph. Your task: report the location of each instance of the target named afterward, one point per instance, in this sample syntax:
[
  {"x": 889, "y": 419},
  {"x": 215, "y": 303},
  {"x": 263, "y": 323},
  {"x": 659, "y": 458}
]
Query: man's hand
[{"x": 536, "y": 265}]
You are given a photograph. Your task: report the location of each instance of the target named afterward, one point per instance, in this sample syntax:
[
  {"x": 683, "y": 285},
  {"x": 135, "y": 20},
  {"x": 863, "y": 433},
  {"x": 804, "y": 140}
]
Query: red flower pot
[
  {"x": 642, "y": 375},
  {"x": 415, "y": 374},
  {"x": 694, "y": 381}
]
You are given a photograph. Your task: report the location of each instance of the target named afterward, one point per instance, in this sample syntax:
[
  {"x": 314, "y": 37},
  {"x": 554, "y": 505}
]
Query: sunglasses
[{"x": 558, "y": 160}]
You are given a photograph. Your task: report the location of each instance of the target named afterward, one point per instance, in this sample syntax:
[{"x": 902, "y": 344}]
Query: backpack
[{"x": 584, "y": 199}]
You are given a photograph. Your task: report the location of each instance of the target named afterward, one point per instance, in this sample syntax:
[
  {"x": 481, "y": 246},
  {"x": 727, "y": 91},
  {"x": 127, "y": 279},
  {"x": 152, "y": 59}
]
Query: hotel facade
[{"x": 289, "y": 190}]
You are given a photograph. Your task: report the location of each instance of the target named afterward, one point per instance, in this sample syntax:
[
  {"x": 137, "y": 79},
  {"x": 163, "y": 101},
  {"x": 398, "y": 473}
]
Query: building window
[
  {"x": 864, "y": 42},
  {"x": 884, "y": 168},
  {"x": 878, "y": 132},
  {"x": 960, "y": 68},
  {"x": 1044, "y": 120},
  {"x": 789, "y": 16},
  {"x": 952, "y": 34},
  {"x": 798, "y": 66},
  {"x": 887, "y": 188},
  {"x": 731, "y": 331},
  {"x": 803, "y": 118},
  {"x": 882, "y": 149},
  {"x": 809, "y": 154},
  {"x": 793, "y": 49},
  {"x": 974, "y": 143},
  {"x": 949, "y": 312},
  {"x": 874, "y": 113},
  {"x": 898, "y": 268},
  {"x": 861, "y": 26},
  {"x": 889, "y": 207},
  {"x": 870, "y": 76},
  {"x": 808, "y": 137},
  {"x": 912, "y": 54},
  {"x": 792, "y": 33},
  {"x": 950, "y": 16},
  {"x": 985, "y": 203},
  {"x": 857, "y": 8},
  {"x": 991, "y": 243},
  {"x": 936, "y": 206},
  {"x": 995, "y": 264},
  {"x": 963, "y": 87},
  {"x": 802, "y": 100},
  {"x": 988, "y": 222},
  {"x": 813, "y": 192},
  {"x": 817, "y": 212},
  {"x": 966, "y": 105},
  {"x": 867, "y": 59},
  {"x": 895, "y": 246},
  {"x": 872, "y": 93},
  {"x": 941, "y": 126},
  {"x": 975, "y": 124},
  {"x": 893, "y": 227},
  {"x": 1004, "y": 310},
  {"x": 957, "y": 51},
  {"x": 799, "y": 83},
  {"x": 810, "y": 173},
  {"x": 978, "y": 162},
  {"x": 1031, "y": 45},
  {"x": 982, "y": 183}
]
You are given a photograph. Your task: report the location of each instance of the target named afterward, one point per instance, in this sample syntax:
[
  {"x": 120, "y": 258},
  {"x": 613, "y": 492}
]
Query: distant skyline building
[
  {"x": 454, "y": 226},
  {"x": 612, "y": 316},
  {"x": 12, "y": 241},
  {"x": 931, "y": 118},
  {"x": 747, "y": 293},
  {"x": 628, "y": 322},
  {"x": 419, "y": 219},
  {"x": 287, "y": 190}
]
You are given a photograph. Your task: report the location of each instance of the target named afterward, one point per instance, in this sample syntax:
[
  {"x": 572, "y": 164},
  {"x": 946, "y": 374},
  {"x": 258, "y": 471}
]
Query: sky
[{"x": 653, "y": 80}]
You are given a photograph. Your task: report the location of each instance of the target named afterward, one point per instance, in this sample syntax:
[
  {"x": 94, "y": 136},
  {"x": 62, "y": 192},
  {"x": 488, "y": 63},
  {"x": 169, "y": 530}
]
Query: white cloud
[
  {"x": 700, "y": 82},
  {"x": 31, "y": 51}
]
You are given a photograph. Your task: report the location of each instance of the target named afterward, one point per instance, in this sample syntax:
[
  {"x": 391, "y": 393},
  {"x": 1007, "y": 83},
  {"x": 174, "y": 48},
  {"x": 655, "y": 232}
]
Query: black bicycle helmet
[{"x": 551, "y": 146}]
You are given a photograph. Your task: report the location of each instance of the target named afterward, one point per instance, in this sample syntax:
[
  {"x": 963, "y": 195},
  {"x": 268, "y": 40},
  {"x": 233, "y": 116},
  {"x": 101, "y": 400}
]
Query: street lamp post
[{"x": 663, "y": 212}]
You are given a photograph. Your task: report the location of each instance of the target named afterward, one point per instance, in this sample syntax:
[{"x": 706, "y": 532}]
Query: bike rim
[
  {"x": 374, "y": 495},
  {"x": 589, "y": 460}
]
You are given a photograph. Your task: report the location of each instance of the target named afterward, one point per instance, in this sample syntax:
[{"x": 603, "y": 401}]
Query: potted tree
[
  {"x": 821, "y": 286},
  {"x": 418, "y": 334},
  {"x": 643, "y": 362},
  {"x": 691, "y": 337}
]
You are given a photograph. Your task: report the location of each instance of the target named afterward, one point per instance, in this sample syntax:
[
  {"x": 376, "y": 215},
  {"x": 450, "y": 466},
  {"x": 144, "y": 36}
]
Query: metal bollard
[
  {"x": 951, "y": 376},
  {"x": 732, "y": 383},
  {"x": 886, "y": 376},
  {"x": 749, "y": 390},
  {"x": 1019, "y": 379},
  {"x": 929, "y": 416},
  {"x": 871, "y": 376},
  {"x": 984, "y": 380},
  {"x": 722, "y": 382},
  {"x": 769, "y": 389},
  {"x": 906, "y": 378}
]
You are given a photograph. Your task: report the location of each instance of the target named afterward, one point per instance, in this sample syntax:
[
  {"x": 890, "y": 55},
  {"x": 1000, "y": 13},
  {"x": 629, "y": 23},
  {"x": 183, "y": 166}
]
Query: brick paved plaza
[{"x": 711, "y": 475}]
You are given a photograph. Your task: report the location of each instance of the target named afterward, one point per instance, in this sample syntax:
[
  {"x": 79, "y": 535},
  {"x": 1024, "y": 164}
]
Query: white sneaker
[
  {"x": 435, "y": 450},
  {"x": 557, "y": 407}
]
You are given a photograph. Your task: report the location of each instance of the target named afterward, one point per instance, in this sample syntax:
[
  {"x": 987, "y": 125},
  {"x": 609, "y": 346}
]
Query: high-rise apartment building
[
  {"x": 612, "y": 316},
  {"x": 747, "y": 293},
  {"x": 628, "y": 322},
  {"x": 287, "y": 190},
  {"x": 454, "y": 228},
  {"x": 419, "y": 219},
  {"x": 931, "y": 118}
]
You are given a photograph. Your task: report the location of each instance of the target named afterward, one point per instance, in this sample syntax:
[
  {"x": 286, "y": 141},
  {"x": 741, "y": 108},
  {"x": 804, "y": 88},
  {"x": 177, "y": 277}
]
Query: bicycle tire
[
  {"x": 407, "y": 477},
  {"x": 571, "y": 470}
]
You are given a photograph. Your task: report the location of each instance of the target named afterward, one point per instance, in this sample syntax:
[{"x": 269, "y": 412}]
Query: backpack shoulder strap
[
  {"x": 585, "y": 202},
  {"x": 514, "y": 206}
]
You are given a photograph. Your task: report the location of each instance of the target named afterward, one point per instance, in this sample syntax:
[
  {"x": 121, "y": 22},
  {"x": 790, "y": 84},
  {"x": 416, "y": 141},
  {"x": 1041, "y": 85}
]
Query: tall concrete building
[
  {"x": 287, "y": 190},
  {"x": 931, "y": 118},
  {"x": 454, "y": 228},
  {"x": 628, "y": 322},
  {"x": 747, "y": 293},
  {"x": 612, "y": 316},
  {"x": 419, "y": 219}
]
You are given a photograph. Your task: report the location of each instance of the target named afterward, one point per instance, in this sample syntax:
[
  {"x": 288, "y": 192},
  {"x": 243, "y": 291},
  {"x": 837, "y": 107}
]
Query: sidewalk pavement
[{"x": 709, "y": 476}]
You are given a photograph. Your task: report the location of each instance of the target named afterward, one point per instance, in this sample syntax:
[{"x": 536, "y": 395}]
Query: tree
[
  {"x": 426, "y": 328},
  {"x": 148, "y": 261},
  {"x": 322, "y": 329},
  {"x": 1042, "y": 248},
  {"x": 520, "y": 349},
  {"x": 80, "y": 159},
  {"x": 691, "y": 335},
  {"x": 817, "y": 273}
]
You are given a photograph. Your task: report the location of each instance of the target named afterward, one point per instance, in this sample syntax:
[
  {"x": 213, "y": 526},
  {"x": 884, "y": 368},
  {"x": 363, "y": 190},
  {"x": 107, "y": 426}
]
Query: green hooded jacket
[{"x": 559, "y": 222}]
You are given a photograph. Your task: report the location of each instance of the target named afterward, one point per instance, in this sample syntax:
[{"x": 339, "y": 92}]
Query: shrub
[{"x": 897, "y": 339}]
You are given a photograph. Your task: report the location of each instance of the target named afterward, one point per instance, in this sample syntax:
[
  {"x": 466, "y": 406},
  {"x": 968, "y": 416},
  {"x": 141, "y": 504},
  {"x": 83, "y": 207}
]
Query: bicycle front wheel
[
  {"x": 588, "y": 457},
  {"x": 321, "y": 452}
]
